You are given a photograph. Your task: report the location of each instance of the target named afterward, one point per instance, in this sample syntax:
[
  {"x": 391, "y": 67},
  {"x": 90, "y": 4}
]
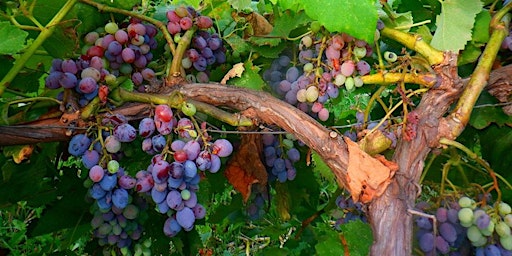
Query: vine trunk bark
[{"x": 389, "y": 216}]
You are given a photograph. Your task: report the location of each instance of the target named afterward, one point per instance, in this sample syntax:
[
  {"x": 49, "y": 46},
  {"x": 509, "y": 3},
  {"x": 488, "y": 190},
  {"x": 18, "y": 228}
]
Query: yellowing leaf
[
  {"x": 455, "y": 24},
  {"x": 236, "y": 70}
]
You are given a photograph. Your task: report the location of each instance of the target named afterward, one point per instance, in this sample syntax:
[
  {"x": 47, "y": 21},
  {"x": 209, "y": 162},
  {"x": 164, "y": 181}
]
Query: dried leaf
[
  {"x": 367, "y": 177},
  {"x": 24, "y": 153},
  {"x": 260, "y": 26},
  {"x": 245, "y": 167},
  {"x": 235, "y": 71}
]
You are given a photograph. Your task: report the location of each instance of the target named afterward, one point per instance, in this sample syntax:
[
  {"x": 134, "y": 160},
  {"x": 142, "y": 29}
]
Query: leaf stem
[
  {"x": 384, "y": 78},
  {"x": 416, "y": 43},
  {"x": 460, "y": 115},
  {"x": 45, "y": 34}
]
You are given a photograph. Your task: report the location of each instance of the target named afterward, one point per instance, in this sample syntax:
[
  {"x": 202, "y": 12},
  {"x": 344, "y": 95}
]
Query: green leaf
[
  {"x": 240, "y": 5},
  {"x": 288, "y": 21},
  {"x": 359, "y": 237},
  {"x": 238, "y": 45},
  {"x": 322, "y": 168},
  {"x": 348, "y": 103},
  {"x": 425, "y": 33},
  {"x": 482, "y": 117},
  {"x": 357, "y": 18},
  {"x": 455, "y": 24},
  {"x": 469, "y": 55},
  {"x": 250, "y": 77},
  {"x": 13, "y": 38},
  {"x": 401, "y": 20},
  {"x": 330, "y": 244},
  {"x": 481, "y": 29}
]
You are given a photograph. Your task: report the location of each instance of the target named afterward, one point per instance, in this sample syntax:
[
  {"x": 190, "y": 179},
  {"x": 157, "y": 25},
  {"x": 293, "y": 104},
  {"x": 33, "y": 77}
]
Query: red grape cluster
[
  {"x": 173, "y": 176},
  {"x": 206, "y": 49}
]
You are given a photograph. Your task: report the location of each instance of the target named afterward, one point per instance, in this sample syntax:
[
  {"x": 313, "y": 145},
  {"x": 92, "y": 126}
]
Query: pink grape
[
  {"x": 87, "y": 85},
  {"x": 222, "y": 148},
  {"x": 323, "y": 114},
  {"x": 96, "y": 173},
  {"x": 347, "y": 68},
  {"x": 128, "y": 55},
  {"x": 186, "y": 23},
  {"x": 204, "y": 22}
]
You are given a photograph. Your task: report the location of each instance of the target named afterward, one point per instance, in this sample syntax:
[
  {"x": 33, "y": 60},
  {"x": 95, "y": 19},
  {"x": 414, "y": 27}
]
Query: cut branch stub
[{"x": 352, "y": 174}]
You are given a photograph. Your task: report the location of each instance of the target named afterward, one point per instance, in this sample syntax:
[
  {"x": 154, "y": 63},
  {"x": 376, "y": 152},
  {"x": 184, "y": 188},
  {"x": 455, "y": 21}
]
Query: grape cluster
[
  {"x": 466, "y": 227},
  {"x": 279, "y": 155},
  {"x": 361, "y": 129},
  {"x": 328, "y": 63},
  {"x": 172, "y": 182},
  {"x": 348, "y": 210},
  {"x": 206, "y": 49},
  {"x": 108, "y": 53}
]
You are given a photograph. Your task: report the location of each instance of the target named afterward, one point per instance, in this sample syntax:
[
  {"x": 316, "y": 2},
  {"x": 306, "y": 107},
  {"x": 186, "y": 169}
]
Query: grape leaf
[
  {"x": 482, "y": 117},
  {"x": 424, "y": 31},
  {"x": 401, "y": 19},
  {"x": 13, "y": 38},
  {"x": 481, "y": 29},
  {"x": 240, "y": 5},
  {"x": 469, "y": 55},
  {"x": 330, "y": 245},
  {"x": 359, "y": 237},
  {"x": 357, "y": 18},
  {"x": 455, "y": 24},
  {"x": 250, "y": 77}
]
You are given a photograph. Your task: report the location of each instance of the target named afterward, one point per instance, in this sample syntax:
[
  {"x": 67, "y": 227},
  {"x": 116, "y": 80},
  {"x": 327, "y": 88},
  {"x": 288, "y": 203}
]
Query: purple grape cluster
[
  {"x": 389, "y": 131},
  {"x": 206, "y": 49},
  {"x": 465, "y": 228},
  {"x": 172, "y": 182},
  {"x": 348, "y": 210},
  {"x": 108, "y": 53},
  {"x": 312, "y": 85},
  {"x": 279, "y": 155}
]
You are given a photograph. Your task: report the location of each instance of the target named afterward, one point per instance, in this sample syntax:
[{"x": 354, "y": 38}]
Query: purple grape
[
  {"x": 190, "y": 169},
  {"x": 171, "y": 227},
  {"x": 204, "y": 161},
  {"x": 79, "y": 144},
  {"x": 161, "y": 171},
  {"x": 146, "y": 127},
  {"x": 441, "y": 245},
  {"x": 220, "y": 56},
  {"x": 137, "y": 78},
  {"x": 125, "y": 133},
  {"x": 108, "y": 182},
  {"x": 200, "y": 64},
  {"x": 158, "y": 142},
  {"x": 126, "y": 182},
  {"x": 185, "y": 218},
  {"x": 483, "y": 220},
  {"x": 69, "y": 66},
  {"x": 222, "y": 148},
  {"x": 140, "y": 62},
  {"x": 173, "y": 199},
  {"x": 52, "y": 81},
  {"x": 158, "y": 196},
  {"x": 492, "y": 250},
  {"x": 148, "y": 74},
  {"x": 204, "y": 22},
  {"x": 363, "y": 67},
  {"x": 448, "y": 232},
  {"x": 192, "y": 201},
  {"x": 192, "y": 148},
  {"x": 199, "y": 211},
  {"x": 128, "y": 55},
  {"x": 424, "y": 223},
  {"x": 96, "y": 192},
  {"x": 426, "y": 242},
  {"x": 90, "y": 158},
  {"x": 87, "y": 85},
  {"x": 120, "y": 198},
  {"x": 199, "y": 42},
  {"x": 305, "y": 56},
  {"x": 68, "y": 80},
  {"x": 176, "y": 170},
  {"x": 177, "y": 145},
  {"x": 214, "y": 42},
  {"x": 442, "y": 214},
  {"x": 215, "y": 164}
]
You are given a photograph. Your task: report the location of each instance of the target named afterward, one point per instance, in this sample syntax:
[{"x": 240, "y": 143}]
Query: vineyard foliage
[{"x": 88, "y": 93}]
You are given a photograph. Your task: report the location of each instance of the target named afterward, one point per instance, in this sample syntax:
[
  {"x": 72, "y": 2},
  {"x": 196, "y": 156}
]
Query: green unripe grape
[
  {"x": 301, "y": 95},
  {"x": 137, "y": 249},
  {"x": 349, "y": 84},
  {"x": 111, "y": 28},
  {"x": 474, "y": 234},
  {"x": 188, "y": 109},
  {"x": 147, "y": 243},
  {"x": 359, "y": 52},
  {"x": 113, "y": 166},
  {"x": 192, "y": 133},
  {"x": 88, "y": 183},
  {"x": 181, "y": 11},
  {"x": 358, "y": 82},
  {"x": 125, "y": 251},
  {"x": 312, "y": 94},
  {"x": 185, "y": 194},
  {"x": 376, "y": 36},
  {"x": 315, "y": 26},
  {"x": 177, "y": 38},
  {"x": 290, "y": 136},
  {"x": 502, "y": 229},
  {"x": 465, "y": 202},
  {"x": 385, "y": 93},
  {"x": 390, "y": 56},
  {"x": 308, "y": 67},
  {"x": 339, "y": 80},
  {"x": 504, "y": 208},
  {"x": 489, "y": 230},
  {"x": 288, "y": 143},
  {"x": 307, "y": 41},
  {"x": 506, "y": 242},
  {"x": 481, "y": 242},
  {"x": 465, "y": 215},
  {"x": 110, "y": 79},
  {"x": 508, "y": 219}
]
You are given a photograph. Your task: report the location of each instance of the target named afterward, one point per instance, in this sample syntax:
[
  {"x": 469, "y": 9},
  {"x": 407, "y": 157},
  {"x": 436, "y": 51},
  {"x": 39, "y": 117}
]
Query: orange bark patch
[
  {"x": 367, "y": 177},
  {"x": 245, "y": 167}
]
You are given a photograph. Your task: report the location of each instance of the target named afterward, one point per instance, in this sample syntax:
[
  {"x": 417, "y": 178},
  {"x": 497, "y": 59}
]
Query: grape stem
[
  {"x": 45, "y": 34},
  {"x": 183, "y": 45},
  {"x": 479, "y": 160},
  {"x": 229, "y": 118},
  {"x": 416, "y": 43},
  {"x": 160, "y": 25},
  {"x": 384, "y": 78},
  {"x": 459, "y": 116}
]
